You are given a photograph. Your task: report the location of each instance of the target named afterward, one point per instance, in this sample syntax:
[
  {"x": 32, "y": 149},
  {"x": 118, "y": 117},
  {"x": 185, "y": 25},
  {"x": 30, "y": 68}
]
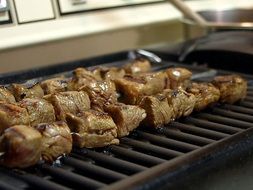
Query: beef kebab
[{"x": 94, "y": 116}]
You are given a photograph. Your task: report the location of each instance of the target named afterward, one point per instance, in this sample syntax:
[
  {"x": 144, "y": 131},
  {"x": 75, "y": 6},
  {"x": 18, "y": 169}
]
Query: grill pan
[{"x": 148, "y": 158}]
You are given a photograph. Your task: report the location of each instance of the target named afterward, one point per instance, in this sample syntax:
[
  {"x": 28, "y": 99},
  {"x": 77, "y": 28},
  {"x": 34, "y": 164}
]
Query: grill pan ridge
[{"x": 148, "y": 157}]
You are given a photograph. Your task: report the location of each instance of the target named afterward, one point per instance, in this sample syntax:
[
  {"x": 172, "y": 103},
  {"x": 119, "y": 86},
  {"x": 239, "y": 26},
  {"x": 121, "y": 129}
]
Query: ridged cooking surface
[{"x": 143, "y": 149}]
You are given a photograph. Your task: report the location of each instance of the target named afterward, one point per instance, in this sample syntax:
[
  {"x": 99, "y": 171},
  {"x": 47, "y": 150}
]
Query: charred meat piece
[
  {"x": 133, "y": 87},
  {"x": 56, "y": 140},
  {"x": 101, "y": 93},
  {"x": 54, "y": 85},
  {"x": 21, "y": 145},
  {"x": 232, "y": 88},
  {"x": 126, "y": 117},
  {"x": 39, "y": 110},
  {"x": 109, "y": 73},
  {"x": 159, "y": 112},
  {"x": 69, "y": 102},
  {"x": 206, "y": 95},
  {"x": 179, "y": 77},
  {"x": 21, "y": 91},
  {"x": 182, "y": 102},
  {"x": 92, "y": 129},
  {"x": 6, "y": 95},
  {"x": 11, "y": 114},
  {"x": 81, "y": 78},
  {"x": 139, "y": 65}
]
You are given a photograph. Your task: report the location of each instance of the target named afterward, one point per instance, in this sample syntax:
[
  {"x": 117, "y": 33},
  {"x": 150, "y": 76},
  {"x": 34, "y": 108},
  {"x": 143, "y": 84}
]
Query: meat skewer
[
  {"x": 92, "y": 129},
  {"x": 139, "y": 65},
  {"x": 21, "y": 91},
  {"x": 54, "y": 85},
  {"x": 21, "y": 146},
  {"x": 156, "y": 98},
  {"x": 39, "y": 110},
  {"x": 232, "y": 88},
  {"x": 6, "y": 95},
  {"x": 206, "y": 95},
  {"x": 12, "y": 114},
  {"x": 73, "y": 102},
  {"x": 56, "y": 140}
]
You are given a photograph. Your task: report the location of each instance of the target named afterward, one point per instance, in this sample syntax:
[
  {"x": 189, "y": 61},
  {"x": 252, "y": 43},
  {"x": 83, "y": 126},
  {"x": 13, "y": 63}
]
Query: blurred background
[{"x": 35, "y": 33}]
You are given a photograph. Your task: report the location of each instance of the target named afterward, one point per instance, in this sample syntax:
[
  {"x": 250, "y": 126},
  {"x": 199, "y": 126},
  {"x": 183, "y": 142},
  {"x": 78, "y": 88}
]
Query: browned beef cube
[
  {"x": 69, "y": 102},
  {"x": 81, "y": 78},
  {"x": 139, "y": 65},
  {"x": 6, "y": 95},
  {"x": 23, "y": 91},
  {"x": 179, "y": 77},
  {"x": 109, "y": 73},
  {"x": 54, "y": 85},
  {"x": 101, "y": 93},
  {"x": 56, "y": 140},
  {"x": 159, "y": 112},
  {"x": 21, "y": 145},
  {"x": 206, "y": 95},
  {"x": 182, "y": 102},
  {"x": 11, "y": 114},
  {"x": 92, "y": 129},
  {"x": 232, "y": 88},
  {"x": 39, "y": 110},
  {"x": 133, "y": 87},
  {"x": 126, "y": 117}
]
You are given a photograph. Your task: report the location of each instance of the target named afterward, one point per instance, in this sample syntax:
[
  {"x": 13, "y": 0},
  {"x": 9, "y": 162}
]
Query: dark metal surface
[{"x": 148, "y": 158}]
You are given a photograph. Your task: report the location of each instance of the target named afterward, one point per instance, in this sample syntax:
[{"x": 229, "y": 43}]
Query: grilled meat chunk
[
  {"x": 159, "y": 112},
  {"x": 139, "y": 65},
  {"x": 133, "y": 87},
  {"x": 21, "y": 91},
  {"x": 11, "y": 114},
  {"x": 126, "y": 117},
  {"x": 56, "y": 140},
  {"x": 92, "y": 129},
  {"x": 54, "y": 85},
  {"x": 21, "y": 145},
  {"x": 109, "y": 73},
  {"x": 232, "y": 88},
  {"x": 6, "y": 95},
  {"x": 39, "y": 110},
  {"x": 81, "y": 78},
  {"x": 206, "y": 94},
  {"x": 69, "y": 102},
  {"x": 101, "y": 93},
  {"x": 179, "y": 77},
  {"x": 182, "y": 102}
]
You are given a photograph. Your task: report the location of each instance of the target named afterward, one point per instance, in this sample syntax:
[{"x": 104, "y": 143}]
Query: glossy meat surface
[
  {"x": 126, "y": 117},
  {"x": 232, "y": 88},
  {"x": 206, "y": 95},
  {"x": 56, "y": 140},
  {"x": 109, "y": 73},
  {"x": 73, "y": 102},
  {"x": 179, "y": 77},
  {"x": 6, "y": 95},
  {"x": 81, "y": 78},
  {"x": 159, "y": 112},
  {"x": 54, "y": 85},
  {"x": 133, "y": 87},
  {"x": 11, "y": 114},
  {"x": 139, "y": 65},
  {"x": 101, "y": 94},
  {"x": 22, "y": 91},
  {"x": 39, "y": 110},
  {"x": 21, "y": 145},
  {"x": 182, "y": 102},
  {"x": 92, "y": 129}
]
